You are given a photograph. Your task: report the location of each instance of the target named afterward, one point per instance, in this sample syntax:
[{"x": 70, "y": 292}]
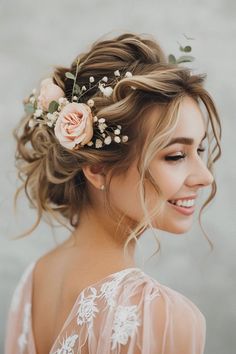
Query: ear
[{"x": 94, "y": 175}]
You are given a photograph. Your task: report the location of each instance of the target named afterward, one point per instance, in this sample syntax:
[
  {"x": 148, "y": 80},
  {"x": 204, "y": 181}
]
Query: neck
[{"x": 97, "y": 237}]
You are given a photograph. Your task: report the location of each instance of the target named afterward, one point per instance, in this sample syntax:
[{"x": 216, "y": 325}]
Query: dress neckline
[{"x": 111, "y": 275}]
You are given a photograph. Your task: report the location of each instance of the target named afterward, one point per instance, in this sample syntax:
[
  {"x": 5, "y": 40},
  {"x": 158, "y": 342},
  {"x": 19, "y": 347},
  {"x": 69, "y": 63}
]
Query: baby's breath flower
[
  {"x": 117, "y": 131},
  {"x": 63, "y": 101},
  {"x": 90, "y": 103},
  {"x": 128, "y": 74},
  {"x": 95, "y": 118},
  {"x": 38, "y": 113},
  {"x": 91, "y": 79},
  {"x": 117, "y": 139},
  {"x": 117, "y": 73},
  {"x": 50, "y": 116},
  {"x": 98, "y": 143},
  {"x": 108, "y": 91},
  {"x": 107, "y": 140},
  {"x": 102, "y": 127},
  {"x": 50, "y": 124},
  {"x": 124, "y": 138},
  {"x": 101, "y": 120},
  {"x": 75, "y": 98},
  {"x": 84, "y": 88},
  {"x": 105, "y": 79}
]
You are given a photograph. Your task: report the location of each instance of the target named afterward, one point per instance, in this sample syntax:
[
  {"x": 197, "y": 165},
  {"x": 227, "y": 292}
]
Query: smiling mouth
[
  {"x": 180, "y": 206},
  {"x": 185, "y": 210}
]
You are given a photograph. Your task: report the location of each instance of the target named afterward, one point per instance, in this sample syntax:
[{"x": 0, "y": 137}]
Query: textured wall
[{"x": 34, "y": 36}]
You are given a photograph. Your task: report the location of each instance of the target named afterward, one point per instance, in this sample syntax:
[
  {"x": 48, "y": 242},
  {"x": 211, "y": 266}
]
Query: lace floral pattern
[
  {"x": 17, "y": 293},
  {"x": 124, "y": 325},
  {"x": 108, "y": 291},
  {"x": 87, "y": 309},
  {"x": 68, "y": 345}
]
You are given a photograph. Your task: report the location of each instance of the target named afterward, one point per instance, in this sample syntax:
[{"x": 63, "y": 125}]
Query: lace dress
[{"x": 125, "y": 312}]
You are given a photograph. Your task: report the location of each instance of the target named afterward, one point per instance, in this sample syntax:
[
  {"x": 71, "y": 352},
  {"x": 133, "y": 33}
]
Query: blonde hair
[{"x": 52, "y": 176}]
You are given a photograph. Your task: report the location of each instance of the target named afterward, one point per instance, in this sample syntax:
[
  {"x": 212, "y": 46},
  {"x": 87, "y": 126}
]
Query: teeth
[{"x": 184, "y": 203}]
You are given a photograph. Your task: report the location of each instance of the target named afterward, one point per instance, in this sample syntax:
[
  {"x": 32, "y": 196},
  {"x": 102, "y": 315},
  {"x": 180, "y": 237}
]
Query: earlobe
[{"x": 94, "y": 175}]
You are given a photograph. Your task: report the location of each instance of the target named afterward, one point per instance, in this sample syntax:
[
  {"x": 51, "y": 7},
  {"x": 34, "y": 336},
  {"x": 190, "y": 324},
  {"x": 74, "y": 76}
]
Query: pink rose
[
  {"x": 74, "y": 125},
  {"x": 48, "y": 92}
]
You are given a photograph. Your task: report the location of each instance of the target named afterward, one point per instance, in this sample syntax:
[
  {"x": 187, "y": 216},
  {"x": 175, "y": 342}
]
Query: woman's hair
[{"x": 52, "y": 176}]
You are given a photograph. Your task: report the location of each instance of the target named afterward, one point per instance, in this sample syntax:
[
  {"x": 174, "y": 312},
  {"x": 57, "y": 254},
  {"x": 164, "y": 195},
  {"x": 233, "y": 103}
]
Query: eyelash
[{"x": 178, "y": 157}]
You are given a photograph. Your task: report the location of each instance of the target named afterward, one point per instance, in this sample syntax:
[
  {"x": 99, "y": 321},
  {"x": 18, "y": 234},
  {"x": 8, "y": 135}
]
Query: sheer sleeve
[
  {"x": 132, "y": 314},
  {"x": 178, "y": 325},
  {"x": 18, "y": 337}
]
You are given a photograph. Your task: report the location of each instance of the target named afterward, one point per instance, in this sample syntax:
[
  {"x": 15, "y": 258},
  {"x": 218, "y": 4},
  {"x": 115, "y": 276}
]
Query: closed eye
[{"x": 182, "y": 156}]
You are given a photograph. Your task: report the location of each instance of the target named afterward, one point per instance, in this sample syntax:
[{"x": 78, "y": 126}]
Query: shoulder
[{"x": 135, "y": 311}]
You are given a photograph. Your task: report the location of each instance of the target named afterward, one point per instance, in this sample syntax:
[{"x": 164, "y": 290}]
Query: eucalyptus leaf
[
  {"x": 29, "y": 108},
  {"x": 70, "y": 75},
  {"x": 185, "y": 59},
  {"x": 187, "y": 48},
  {"x": 53, "y": 106},
  {"x": 172, "y": 59}
]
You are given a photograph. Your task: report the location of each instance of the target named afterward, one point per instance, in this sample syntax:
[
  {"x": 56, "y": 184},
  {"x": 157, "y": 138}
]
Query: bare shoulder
[{"x": 54, "y": 293}]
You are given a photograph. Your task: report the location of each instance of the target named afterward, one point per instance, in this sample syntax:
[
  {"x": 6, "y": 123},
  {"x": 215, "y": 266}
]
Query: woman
[{"x": 114, "y": 145}]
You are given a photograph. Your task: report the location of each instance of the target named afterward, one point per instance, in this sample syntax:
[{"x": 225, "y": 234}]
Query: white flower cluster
[
  {"x": 42, "y": 117},
  {"x": 102, "y": 84},
  {"x": 106, "y": 139}
]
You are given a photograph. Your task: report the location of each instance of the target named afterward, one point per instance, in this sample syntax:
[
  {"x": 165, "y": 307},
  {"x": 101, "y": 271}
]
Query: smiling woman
[{"x": 112, "y": 145}]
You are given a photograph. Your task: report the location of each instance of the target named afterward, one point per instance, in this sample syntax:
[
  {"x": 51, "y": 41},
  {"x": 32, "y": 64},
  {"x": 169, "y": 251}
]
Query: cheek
[
  {"x": 169, "y": 179},
  {"x": 124, "y": 195}
]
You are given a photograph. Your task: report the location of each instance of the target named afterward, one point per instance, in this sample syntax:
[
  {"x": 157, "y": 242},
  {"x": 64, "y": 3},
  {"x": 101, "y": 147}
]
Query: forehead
[{"x": 191, "y": 122}]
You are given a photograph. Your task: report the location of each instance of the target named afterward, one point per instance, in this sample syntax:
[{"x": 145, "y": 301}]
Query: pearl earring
[{"x": 102, "y": 187}]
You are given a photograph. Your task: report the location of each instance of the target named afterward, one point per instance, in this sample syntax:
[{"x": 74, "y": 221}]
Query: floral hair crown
[{"x": 73, "y": 122}]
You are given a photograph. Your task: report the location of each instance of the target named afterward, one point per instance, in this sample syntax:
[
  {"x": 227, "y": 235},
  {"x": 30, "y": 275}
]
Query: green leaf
[
  {"x": 185, "y": 59},
  {"x": 187, "y": 48},
  {"x": 172, "y": 59},
  {"x": 29, "y": 108},
  {"x": 181, "y": 48},
  {"x": 53, "y": 106},
  {"x": 70, "y": 75}
]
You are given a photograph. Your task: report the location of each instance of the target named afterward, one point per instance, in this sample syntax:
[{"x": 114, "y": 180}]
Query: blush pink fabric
[{"x": 125, "y": 312}]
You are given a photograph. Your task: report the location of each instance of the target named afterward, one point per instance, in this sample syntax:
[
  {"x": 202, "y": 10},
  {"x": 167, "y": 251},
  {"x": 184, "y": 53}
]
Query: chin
[
  {"x": 175, "y": 229},
  {"x": 179, "y": 229}
]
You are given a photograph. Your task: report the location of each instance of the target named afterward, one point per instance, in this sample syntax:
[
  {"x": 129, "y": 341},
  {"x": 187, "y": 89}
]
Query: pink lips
[{"x": 183, "y": 210}]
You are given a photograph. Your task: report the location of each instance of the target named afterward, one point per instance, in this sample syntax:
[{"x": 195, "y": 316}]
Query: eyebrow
[{"x": 183, "y": 140}]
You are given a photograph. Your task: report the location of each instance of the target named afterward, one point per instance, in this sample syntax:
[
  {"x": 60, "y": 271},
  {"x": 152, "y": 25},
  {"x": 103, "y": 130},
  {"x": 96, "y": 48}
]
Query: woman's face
[{"x": 179, "y": 170}]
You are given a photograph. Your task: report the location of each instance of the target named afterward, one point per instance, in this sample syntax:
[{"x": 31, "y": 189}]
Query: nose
[{"x": 199, "y": 174}]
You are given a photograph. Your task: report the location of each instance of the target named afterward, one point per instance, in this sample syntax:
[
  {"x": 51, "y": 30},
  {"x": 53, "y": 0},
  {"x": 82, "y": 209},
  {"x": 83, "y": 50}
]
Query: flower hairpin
[{"x": 73, "y": 122}]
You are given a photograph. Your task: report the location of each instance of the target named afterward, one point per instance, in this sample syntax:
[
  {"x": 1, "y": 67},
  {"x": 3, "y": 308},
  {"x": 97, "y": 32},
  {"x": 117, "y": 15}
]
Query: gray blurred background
[{"x": 35, "y": 36}]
